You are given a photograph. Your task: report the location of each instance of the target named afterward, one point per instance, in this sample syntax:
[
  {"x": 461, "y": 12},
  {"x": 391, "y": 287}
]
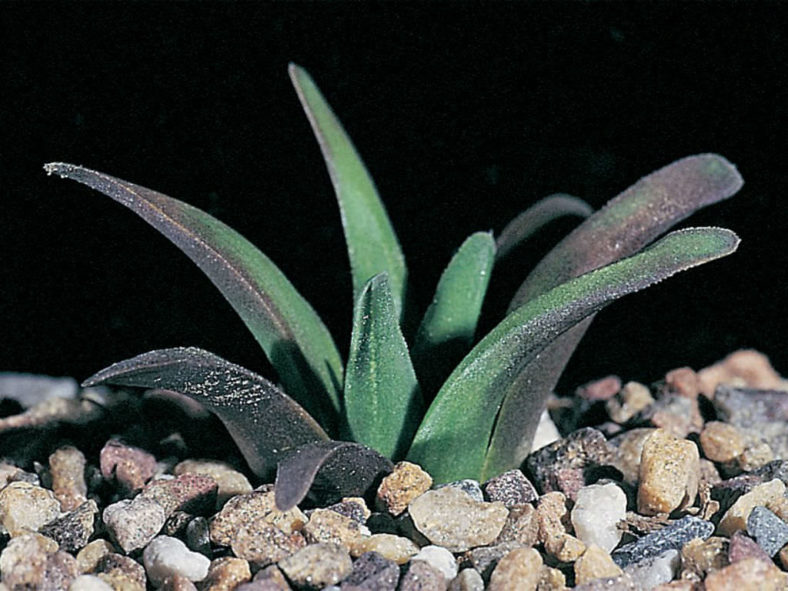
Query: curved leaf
[
  {"x": 628, "y": 222},
  {"x": 383, "y": 403},
  {"x": 264, "y": 422},
  {"x": 535, "y": 217},
  {"x": 290, "y": 332},
  {"x": 448, "y": 327},
  {"x": 331, "y": 469},
  {"x": 452, "y": 441},
  {"x": 371, "y": 242}
]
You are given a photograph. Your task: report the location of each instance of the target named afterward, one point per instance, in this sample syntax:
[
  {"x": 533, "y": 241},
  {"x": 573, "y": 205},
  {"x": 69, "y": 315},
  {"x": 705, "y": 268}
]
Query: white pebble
[
  {"x": 597, "y": 511},
  {"x": 166, "y": 556},
  {"x": 546, "y": 432},
  {"x": 654, "y": 571},
  {"x": 440, "y": 559},
  {"x": 89, "y": 583}
]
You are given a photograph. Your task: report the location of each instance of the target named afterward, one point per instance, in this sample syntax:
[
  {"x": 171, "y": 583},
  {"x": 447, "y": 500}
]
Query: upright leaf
[
  {"x": 265, "y": 423},
  {"x": 535, "y": 217},
  {"x": 452, "y": 441},
  {"x": 628, "y": 222},
  {"x": 290, "y": 332},
  {"x": 382, "y": 399},
  {"x": 371, "y": 243},
  {"x": 448, "y": 327}
]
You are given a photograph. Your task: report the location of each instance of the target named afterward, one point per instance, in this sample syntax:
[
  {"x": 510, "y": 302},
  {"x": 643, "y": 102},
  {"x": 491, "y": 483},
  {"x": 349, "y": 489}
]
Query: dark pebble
[
  {"x": 420, "y": 576},
  {"x": 372, "y": 572},
  {"x": 767, "y": 529},
  {"x": 564, "y": 465},
  {"x": 511, "y": 488},
  {"x": 728, "y": 491},
  {"x": 73, "y": 530},
  {"x": 198, "y": 536},
  {"x": 672, "y": 537}
]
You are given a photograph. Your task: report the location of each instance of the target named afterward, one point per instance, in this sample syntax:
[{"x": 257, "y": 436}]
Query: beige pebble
[
  {"x": 253, "y": 506},
  {"x": 520, "y": 569},
  {"x": 700, "y": 557},
  {"x": 754, "y": 456},
  {"x": 317, "y": 566},
  {"x": 406, "y": 482},
  {"x": 669, "y": 474},
  {"x": 25, "y": 507},
  {"x": 595, "y": 563},
  {"x": 89, "y": 556},
  {"x": 683, "y": 381},
  {"x": 67, "y": 467},
  {"x": 678, "y": 586},
  {"x": 225, "y": 574},
  {"x": 746, "y": 367},
  {"x": 749, "y": 574},
  {"x": 262, "y": 543},
  {"x": 632, "y": 398},
  {"x": 389, "y": 546},
  {"x": 736, "y": 517},
  {"x": 629, "y": 447},
  {"x": 468, "y": 579},
  {"x": 328, "y": 526},
  {"x": 779, "y": 507},
  {"x": 521, "y": 526},
  {"x": 721, "y": 442},
  {"x": 551, "y": 579},
  {"x": 229, "y": 480}
]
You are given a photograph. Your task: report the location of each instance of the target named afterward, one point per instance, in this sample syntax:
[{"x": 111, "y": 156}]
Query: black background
[{"x": 464, "y": 114}]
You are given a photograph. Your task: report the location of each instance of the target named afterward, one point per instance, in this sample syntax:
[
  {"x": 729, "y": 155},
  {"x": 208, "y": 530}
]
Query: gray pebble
[
  {"x": 673, "y": 537},
  {"x": 372, "y": 572},
  {"x": 317, "y": 565},
  {"x": 511, "y": 488},
  {"x": 73, "y": 530},
  {"x": 769, "y": 531},
  {"x": 132, "y": 524},
  {"x": 198, "y": 536},
  {"x": 420, "y": 576}
]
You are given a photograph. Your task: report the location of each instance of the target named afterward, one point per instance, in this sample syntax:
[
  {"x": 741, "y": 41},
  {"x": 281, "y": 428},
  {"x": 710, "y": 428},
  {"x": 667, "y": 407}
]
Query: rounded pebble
[
  {"x": 229, "y": 480},
  {"x": 67, "y": 468},
  {"x": 469, "y": 579},
  {"x": 721, "y": 442},
  {"x": 669, "y": 473},
  {"x": 438, "y": 558},
  {"x": 595, "y": 563},
  {"x": 89, "y": 583},
  {"x": 317, "y": 565},
  {"x": 134, "y": 523},
  {"x": 372, "y": 572},
  {"x": 166, "y": 556},
  {"x": 25, "y": 507},
  {"x": 389, "y": 546},
  {"x": 598, "y": 510},
  {"x": 520, "y": 569}
]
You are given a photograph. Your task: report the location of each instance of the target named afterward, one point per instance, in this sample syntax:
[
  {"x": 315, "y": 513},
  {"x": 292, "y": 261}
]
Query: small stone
[
  {"x": 595, "y": 563},
  {"x": 564, "y": 465},
  {"x": 67, "y": 467},
  {"x": 598, "y": 510},
  {"x": 669, "y": 471},
  {"x": 131, "y": 466},
  {"x": 510, "y": 488},
  {"x": 225, "y": 574},
  {"x": 672, "y": 537},
  {"x": 89, "y": 583},
  {"x": 468, "y": 580},
  {"x": 121, "y": 571},
  {"x": 601, "y": 389},
  {"x": 449, "y": 517},
  {"x": 550, "y": 515},
  {"x": 520, "y": 569},
  {"x": 620, "y": 583},
  {"x": 683, "y": 381},
  {"x": 262, "y": 543},
  {"x": 250, "y": 507},
  {"x": 566, "y": 548},
  {"x": 469, "y": 486},
  {"x": 767, "y": 529},
  {"x": 317, "y": 565},
  {"x": 230, "y": 481},
  {"x": 721, "y": 442},
  {"x": 166, "y": 556},
  {"x": 176, "y": 524},
  {"x": 521, "y": 526},
  {"x": 269, "y": 579},
  {"x": 754, "y": 456},
  {"x": 198, "y": 536},
  {"x": 328, "y": 526},
  {"x": 485, "y": 558},
  {"x": 192, "y": 493},
  {"x": 389, "y": 546},
  {"x": 746, "y": 368},
  {"x": 632, "y": 399},
  {"x": 24, "y": 508},
  {"x": 700, "y": 557},
  {"x": 32, "y": 561},
  {"x": 353, "y": 507},
  {"x": 749, "y": 574},
  {"x": 134, "y": 523},
  {"x": 421, "y": 576},
  {"x": 656, "y": 570},
  {"x": 406, "y": 482},
  {"x": 552, "y": 579},
  {"x": 675, "y": 414},
  {"x": 742, "y": 546},
  {"x": 121, "y": 582},
  {"x": 73, "y": 530},
  {"x": 89, "y": 557},
  {"x": 438, "y": 558},
  {"x": 735, "y": 518},
  {"x": 177, "y": 583},
  {"x": 629, "y": 449},
  {"x": 372, "y": 572}
]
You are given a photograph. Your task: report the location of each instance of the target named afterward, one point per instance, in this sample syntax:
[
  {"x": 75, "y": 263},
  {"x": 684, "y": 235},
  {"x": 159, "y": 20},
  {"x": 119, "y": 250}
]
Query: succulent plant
[{"x": 460, "y": 409}]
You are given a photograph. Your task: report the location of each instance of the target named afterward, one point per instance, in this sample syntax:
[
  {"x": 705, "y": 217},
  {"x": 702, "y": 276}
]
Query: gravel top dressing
[{"x": 678, "y": 485}]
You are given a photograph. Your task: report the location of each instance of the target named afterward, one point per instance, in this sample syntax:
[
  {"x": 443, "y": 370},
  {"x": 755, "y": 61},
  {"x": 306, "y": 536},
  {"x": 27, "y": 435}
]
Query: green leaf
[
  {"x": 371, "y": 242},
  {"x": 453, "y": 439},
  {"x": 627, "y": 223},
  {"x": 264, "y": 422},
  {"x": 290, "y": 332},
  {"x": 382, "y": 399},
  {"x": 536, "y": 217},
  {"x": 448, "y": 327}
]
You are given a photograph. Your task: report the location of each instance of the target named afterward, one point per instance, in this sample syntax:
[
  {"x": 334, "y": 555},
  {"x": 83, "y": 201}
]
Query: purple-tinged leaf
[
  {"x": 290, "y": 332},
  {"x": 626, "y": 224},
  {"x": 331, "y": 470},
  {"x": 264, "y": 422},
  {"x": 536, "y": 217}
]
